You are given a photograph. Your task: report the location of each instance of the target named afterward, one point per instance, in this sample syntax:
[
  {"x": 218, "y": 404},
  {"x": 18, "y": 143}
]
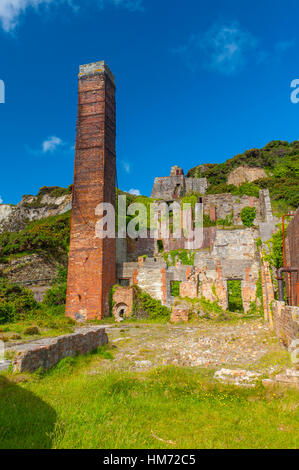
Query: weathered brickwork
[
  {"x": 292, "y": 258},
  {"x": 123, "y": 302},
  {"x": 47, "y": 353},
  {"x": 178, "y": 315},
  {"x": 92, "y": 261},
  {"x": 285, "y": 322}
]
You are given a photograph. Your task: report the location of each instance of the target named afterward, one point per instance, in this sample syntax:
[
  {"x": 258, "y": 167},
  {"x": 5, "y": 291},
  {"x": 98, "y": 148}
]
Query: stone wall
[
  {"x": 285, "y": 322},
  {"x": 226, "y": 204},
  {"x": 140, "y": 247},
  {"x": 170, "y": 188},
  {"x": 209, "y": 235},
  {"x": 47, "y": 353}
]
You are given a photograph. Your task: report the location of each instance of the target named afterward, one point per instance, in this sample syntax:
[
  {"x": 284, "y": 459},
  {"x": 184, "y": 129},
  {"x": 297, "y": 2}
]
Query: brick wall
[
  {"x": 292, "y": 258},
  {"x": 286, "y": 322},
  {"x": 48, "y": 352},
  {"x": 123, "y": 301},
  {"x": 92, "y": 261}
]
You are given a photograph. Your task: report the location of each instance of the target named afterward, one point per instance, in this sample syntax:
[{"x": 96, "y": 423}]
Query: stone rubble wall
[
  {"x": 47, "y": 353},
  {"x": 227, "y": 203},
  {"x": 170, "y": 188}
]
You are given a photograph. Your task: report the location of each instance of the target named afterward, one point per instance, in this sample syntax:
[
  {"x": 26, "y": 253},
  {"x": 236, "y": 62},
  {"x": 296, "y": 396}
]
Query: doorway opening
[{"x": 234, "y": 293}]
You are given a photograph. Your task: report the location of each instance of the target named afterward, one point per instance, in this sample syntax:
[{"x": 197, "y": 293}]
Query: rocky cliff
[{"x": 48, "y": 202}]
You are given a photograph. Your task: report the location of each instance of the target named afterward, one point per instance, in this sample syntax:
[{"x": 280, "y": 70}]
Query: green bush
[
  {"x": 235, "y": 302},
  {"x": 279, "y": 159},
  {"x": 50, "y": 236},
  {"x": 186, "y": 257},
  {"x": 57, "y": 294},
  {"x": 248, "y": 215},
  {"x": 148, "y": 307},
  {"x": 175, "y": 288},
  {"x": 15, "y": 302}
]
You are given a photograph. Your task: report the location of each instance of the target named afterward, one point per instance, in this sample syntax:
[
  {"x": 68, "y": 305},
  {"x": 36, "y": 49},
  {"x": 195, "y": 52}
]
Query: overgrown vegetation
[
  {"x": 175, "y": 288},
  {"x": 185, "y": 256},
  {"x": 50, "y": 191},
  {"x": 15, "y": 302},
  {"x": 50, "y": 236},
  {"x": 274, "y": 255},
  {"x": 248, "y": 215},
  {"x": 235, "y": 303},
  {"x": 279, "y": 159},
  {"x": 146, "y": 306},
  {"x": 57, "y": 294}
]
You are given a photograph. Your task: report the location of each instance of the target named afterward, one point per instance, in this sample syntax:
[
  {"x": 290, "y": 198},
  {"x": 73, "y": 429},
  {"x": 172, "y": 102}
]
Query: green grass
[
  {"x": 51, "y": 321},
  {"x": 80, "y": 404}
]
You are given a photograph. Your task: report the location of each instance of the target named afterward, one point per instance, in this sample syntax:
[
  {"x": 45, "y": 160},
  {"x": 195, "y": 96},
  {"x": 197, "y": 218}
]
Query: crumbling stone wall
[
  {"x": 227, "y": 204},
  {"x": 47, "y": 353},
  {"x": 170, "y": 188}
]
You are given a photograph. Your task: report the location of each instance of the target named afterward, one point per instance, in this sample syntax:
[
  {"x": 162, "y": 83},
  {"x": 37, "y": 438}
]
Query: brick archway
[{"x": 121, "y": 311}]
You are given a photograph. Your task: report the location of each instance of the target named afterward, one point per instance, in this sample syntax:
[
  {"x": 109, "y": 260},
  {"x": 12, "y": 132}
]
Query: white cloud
[
  {"x": 126, "y": 166},
  {"x": 11, "y": 10},
  {"x": 1, "y": 200},
  {"x": 134, "y": 192},
  {"x": 224, "y": 47},
  {"x": 51, "y": 144}
]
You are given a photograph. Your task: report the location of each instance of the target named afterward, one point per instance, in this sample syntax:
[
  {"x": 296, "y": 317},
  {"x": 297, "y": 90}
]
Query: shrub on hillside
[
  {"x": 57, "y": 294},
  {"x": 51, "y": 235},
  {"x": 15, "y": 301}
]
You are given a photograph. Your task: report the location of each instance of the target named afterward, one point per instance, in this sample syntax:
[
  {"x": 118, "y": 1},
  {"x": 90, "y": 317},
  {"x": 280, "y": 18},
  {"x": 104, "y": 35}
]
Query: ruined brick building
[{"x": 95, "y": 265}]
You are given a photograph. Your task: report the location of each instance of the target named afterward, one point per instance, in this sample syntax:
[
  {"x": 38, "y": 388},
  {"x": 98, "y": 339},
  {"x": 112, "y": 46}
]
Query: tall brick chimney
[{"x": 92, "y": 261}]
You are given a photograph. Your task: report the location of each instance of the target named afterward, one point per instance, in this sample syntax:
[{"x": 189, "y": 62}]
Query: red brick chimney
[{"x": 92, "y": 261}]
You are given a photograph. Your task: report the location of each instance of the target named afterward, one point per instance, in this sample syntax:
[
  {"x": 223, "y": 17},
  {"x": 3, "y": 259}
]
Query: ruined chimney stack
[{"x": 92, "y": 261}]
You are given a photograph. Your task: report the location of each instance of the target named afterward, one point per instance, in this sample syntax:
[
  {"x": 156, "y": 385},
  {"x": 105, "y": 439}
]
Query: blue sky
[{"x": 197, "y": 81}]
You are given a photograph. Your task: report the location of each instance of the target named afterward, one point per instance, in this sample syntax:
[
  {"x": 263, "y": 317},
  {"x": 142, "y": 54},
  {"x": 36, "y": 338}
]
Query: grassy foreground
[{"x": 81, "y": 403}]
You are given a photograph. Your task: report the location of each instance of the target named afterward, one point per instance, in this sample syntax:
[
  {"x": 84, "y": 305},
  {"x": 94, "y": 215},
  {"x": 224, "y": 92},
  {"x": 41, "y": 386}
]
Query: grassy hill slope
[{"x": 279, "y": 159}]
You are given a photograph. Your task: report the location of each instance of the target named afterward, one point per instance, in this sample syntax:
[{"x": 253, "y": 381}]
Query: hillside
[{"x": 280, "y": 162}]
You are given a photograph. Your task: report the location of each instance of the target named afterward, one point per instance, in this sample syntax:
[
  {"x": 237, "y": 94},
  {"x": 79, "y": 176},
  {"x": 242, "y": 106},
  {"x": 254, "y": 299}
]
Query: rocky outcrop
[
  {"x": 14, "y": 218},
  {"x": 35, "y": 271},
  {"x": 244, "y": 174}
]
